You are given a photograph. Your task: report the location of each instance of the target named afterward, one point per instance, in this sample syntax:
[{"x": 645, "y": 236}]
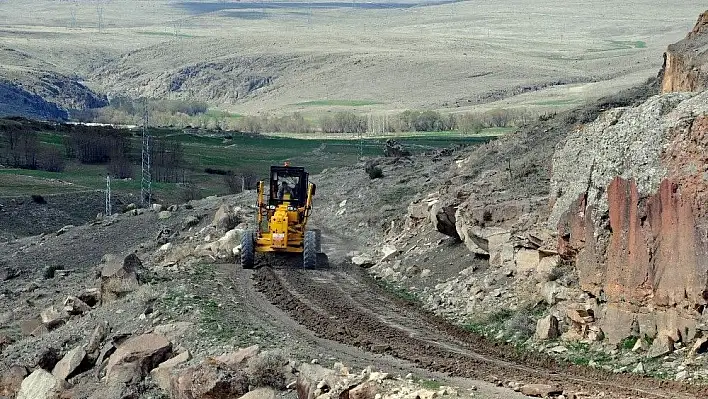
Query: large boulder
[
  {"x": 119, "y": 278},
  {"x": 547, "y": 328},
  {"x": 162, "y": 375},
  {"x": 135, "y": 357},
  {"x": 209, "y": 380},
  {"x": 40, "y": 385},
  {"x": 663, "y": 345},
  {"x": 444, "y": 219},
  {"x": 69, "y": 363},
  {"x": 225, "y": 218},
  {"x": 309, "y": 377}
]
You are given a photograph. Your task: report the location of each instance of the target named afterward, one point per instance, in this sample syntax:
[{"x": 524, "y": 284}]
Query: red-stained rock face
[
  {"x": 629, "y": 277},
  {"x": 655, "y": 251}
]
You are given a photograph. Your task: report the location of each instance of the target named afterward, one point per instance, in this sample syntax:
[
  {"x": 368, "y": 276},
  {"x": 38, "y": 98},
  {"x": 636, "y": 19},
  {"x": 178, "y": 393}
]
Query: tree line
[
  {"x": 196, "y": 114},
  {"x": 21, "y": 147}
]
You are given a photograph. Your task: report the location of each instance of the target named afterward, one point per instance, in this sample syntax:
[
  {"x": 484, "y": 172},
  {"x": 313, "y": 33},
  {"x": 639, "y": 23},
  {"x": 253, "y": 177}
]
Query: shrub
[
  {"x": 375, "y": 172},
  {"x": 191, "y": 192},
  {"x": 521, "y": 324},
  {"x": 267, "y": 370},
  {"x": 50, "y": 271},
  {"x": 38, "y": 199}
]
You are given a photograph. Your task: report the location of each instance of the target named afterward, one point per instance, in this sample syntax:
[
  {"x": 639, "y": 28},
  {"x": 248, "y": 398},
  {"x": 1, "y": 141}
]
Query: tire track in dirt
[{"x": 346, "y": 306}]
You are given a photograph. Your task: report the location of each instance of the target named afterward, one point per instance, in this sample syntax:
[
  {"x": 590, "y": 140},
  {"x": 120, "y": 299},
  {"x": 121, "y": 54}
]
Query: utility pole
[
  {"x": 146, "y": 178},
  {"x": 109, "y": 206}
]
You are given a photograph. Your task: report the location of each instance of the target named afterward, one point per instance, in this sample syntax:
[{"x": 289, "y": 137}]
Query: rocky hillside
[
  {"x": 685, "y": 62},
  {"x": 43, "y": 95},
  {"x": 599, "y": 224}
]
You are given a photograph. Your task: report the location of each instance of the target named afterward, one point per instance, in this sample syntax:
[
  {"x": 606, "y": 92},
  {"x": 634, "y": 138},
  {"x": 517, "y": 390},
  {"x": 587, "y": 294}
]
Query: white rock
[
  {"x": 388, "y": 251},
  {"x": 40, "y": 385},
  {"x": 639, "y": 369}
]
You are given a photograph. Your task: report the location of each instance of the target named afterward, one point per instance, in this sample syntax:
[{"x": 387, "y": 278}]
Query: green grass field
[{"x": 235, "y": 152}]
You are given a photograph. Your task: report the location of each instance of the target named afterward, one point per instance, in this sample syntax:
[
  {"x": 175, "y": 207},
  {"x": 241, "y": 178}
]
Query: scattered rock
[
  {"x": 367, "y": 390},
  {"x": 662, "y": 345},
  {"x": 173, "y": 331},
  {"x": 90, "y": 296},
  {"x": 540, "y": 390},
  {"x": 639, "y": 369},
  {"x": 97, "y": 336},
  {"x": 134, "y": 358},
  {"x": 640, "y": 346},
  {"x": 260, "y": 393},
  {"x": 119, "y": 278},
  {"x": 362, "y": 261},
  {"x": 28, "y": 326},
  {"x": 162, "y": 215},
  {"x": 65, "y": 229},
  {"x": 238, "y": 358},
  {"x": 69, "y": 363},
  {"x": 209, "y": 380},
  {"x": 51, "y": 317},
  {"x": 190, "y": 221},
  {"x": 547, "y": 328},
  {"x": 40, "y": 385},
  {"x": 700, "y": 346},
  {"x": 75, "y": 306},
  {"x": 388, "y": 251},
  {"x": 11, "y": 380},
  {"x": 162, "y": 375},
  {"x": 157, "y": 207}
]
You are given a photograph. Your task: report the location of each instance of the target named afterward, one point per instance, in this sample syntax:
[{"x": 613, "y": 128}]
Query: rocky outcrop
[
  {"x": 630, "y": 195},
  {"x": 686, "y": 62}
]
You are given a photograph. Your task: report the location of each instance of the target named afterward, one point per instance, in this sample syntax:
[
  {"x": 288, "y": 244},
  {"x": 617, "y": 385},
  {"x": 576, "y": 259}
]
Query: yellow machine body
[{"x": 282, "y": 220}]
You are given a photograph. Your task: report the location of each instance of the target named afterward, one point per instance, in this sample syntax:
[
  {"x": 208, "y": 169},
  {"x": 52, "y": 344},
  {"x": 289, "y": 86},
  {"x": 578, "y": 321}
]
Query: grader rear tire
[
  {"x": 309, "y": 254},
  {"x": 248, "y": 252},
  {"x": 318, "y": 245}
]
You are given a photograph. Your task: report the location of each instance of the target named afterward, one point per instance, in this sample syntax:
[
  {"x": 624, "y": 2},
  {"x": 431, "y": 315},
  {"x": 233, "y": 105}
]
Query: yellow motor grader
[{"x": 282, "y": 218}]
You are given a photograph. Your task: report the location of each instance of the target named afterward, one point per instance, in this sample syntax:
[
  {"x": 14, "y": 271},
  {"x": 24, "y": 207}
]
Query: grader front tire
[
  {"x": 309, "y": 254},
  {"x": 248, "y": 252}
]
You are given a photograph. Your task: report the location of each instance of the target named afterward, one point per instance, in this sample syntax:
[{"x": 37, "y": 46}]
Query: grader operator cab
[{"x": 282, "y": 218}]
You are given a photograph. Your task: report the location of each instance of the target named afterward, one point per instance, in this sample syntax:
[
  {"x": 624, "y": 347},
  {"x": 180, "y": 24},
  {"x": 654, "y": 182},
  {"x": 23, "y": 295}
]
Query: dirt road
[{"x": 344, "y": 305}]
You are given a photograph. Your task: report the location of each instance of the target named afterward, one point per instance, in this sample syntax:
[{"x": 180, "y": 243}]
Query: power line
[
  {"x": 109, "y": 205},
  {"x": 146, "y": 177}
]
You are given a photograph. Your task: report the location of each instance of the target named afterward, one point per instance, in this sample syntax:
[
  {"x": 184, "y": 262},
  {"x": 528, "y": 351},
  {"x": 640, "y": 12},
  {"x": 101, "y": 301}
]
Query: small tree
[{"x": 53, "y": 161}]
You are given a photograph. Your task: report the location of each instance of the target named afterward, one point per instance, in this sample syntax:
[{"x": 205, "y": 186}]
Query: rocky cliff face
[
  {"x": 686, "y": 62},
  {"x": 630, "y": 195}
]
